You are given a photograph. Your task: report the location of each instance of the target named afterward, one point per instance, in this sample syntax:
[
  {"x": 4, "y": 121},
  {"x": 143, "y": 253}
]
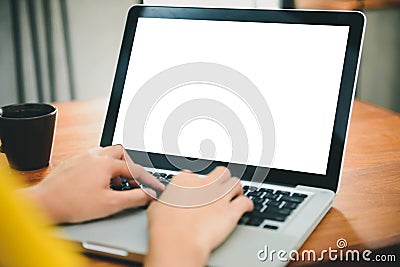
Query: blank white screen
[{"x": 296, "y": 67}]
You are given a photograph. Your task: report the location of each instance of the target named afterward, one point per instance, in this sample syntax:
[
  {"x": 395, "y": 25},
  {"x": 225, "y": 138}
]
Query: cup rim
[{"x": 28, "y": 104}]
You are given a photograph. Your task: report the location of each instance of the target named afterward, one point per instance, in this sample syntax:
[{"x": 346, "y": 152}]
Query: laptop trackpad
[
  {"x": 126, "y": 230},
  {"x": 244, "y": 245}
]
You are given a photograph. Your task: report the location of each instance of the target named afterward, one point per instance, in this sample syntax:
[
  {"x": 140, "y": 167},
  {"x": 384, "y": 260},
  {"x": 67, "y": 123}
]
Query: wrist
[{"x": 44, "y": 201}]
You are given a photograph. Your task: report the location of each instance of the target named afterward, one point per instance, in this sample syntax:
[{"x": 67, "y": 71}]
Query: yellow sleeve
[{"x": 25, "y": 232}]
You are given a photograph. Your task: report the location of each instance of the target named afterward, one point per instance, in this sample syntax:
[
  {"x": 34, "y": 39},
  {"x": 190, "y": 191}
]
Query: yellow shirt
[{"x": 25, "y": 233}]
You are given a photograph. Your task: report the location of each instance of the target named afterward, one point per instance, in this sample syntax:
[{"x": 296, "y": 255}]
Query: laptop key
[
  {"x": 278, "y": 211},
  {"x": 281, "y": 192},
  {"x": 272, "y": 227},
  {"x": 267, "y": 190},
  {"x": 256, "y": 221},
  {"x": 300, "y": 195},
  {"x": 255, "y": 194},
  {"x": 292, "y": 199},
  {"x": 275, "y": 217},
  {"x": 266, "y": 215},
  {"x": 163, "y": 180},
  {"x": 245, "y": 188},
  {"x": 271, "y": 196},
  {"x": 269, "y": 216},
  {"x": 258, "y": 200},
  {"x": 273, "y": 203},
  {"x": 290, "y": 205},
  {"x": 258, "y": 206}
]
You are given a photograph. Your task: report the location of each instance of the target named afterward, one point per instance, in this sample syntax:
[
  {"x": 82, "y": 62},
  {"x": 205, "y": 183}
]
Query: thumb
[{"x": 240, "y": 205}]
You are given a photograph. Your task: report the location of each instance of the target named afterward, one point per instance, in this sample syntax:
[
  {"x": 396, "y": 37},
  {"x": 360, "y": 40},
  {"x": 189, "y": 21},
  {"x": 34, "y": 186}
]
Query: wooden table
[{"x": 366, "y": 211}]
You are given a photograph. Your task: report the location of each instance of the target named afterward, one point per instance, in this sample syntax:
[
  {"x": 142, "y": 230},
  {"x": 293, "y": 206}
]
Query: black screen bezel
[{"x": 355, "y": 21}]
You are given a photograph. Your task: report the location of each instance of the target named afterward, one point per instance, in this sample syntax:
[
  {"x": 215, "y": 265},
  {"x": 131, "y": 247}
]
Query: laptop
[{"x": 267, "y": 93}]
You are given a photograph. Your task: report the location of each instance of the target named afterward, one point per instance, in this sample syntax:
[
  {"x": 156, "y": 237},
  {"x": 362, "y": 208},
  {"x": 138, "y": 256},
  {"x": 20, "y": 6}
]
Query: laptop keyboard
[
  {"x": 163, "y": 177},
  {"x": 269, "y": 205}
]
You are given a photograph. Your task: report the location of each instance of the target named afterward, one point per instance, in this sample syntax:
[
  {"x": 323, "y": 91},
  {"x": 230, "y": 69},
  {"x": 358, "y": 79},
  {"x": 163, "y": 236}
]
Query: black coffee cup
[{"x": 26, "y": 134}]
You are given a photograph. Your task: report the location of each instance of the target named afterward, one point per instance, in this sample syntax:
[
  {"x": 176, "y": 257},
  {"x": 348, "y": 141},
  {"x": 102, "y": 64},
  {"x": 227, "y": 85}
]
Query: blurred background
[{"x": 62, "y": 50}]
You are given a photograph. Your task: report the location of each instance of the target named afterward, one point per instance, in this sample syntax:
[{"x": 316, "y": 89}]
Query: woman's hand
[
  {"x": 186, "y": 236},
  {"x": 79, "y": 189}
]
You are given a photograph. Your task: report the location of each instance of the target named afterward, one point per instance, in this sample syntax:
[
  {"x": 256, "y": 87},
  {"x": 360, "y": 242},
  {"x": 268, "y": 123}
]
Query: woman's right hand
[{"x": 185, "y": 236}]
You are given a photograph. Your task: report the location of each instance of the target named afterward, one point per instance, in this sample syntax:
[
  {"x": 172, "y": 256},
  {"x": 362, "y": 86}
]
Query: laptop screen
[{"x": 296, "y": 68}]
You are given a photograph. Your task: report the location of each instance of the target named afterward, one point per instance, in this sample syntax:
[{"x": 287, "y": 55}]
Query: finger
[
  {"x": 219, "y": 173},
  {"x": 115, "y": 151},
  {"x": 131, "y": 198},
  {"x": 239, "y": 206},
  {"x": 133, "y": 183},
  {"x": 141, "y": 175},
  {"x": 130, "y": 169},
  {"x": 235, "y": 187},
  {"x": 119, "y": 168},
  {"x": 186, "y": 179}
]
